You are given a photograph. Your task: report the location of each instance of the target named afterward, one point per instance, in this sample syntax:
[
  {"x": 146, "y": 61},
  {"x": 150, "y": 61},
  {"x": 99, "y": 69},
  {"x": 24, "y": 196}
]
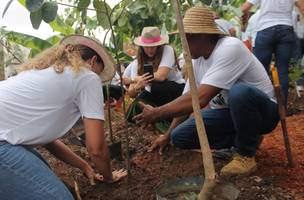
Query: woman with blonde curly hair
[{"x": 40, "y": 105}]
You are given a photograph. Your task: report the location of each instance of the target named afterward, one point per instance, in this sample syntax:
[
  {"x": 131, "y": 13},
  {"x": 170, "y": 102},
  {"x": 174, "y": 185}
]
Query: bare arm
[
  {"x": 162, "y": 141},
  {"x": 246, "y": 7},
  {"x": 161, "y": 74},
  {"x": 65, "y": 154},
  {"x": 179, "y": 107},
  {"x": 245, "y": 10},
  {"x": 97, "y": 147},
  {"x": 183, "y": 105}
]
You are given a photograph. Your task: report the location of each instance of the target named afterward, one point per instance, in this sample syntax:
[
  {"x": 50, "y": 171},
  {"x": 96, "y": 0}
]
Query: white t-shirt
[
  {"x": 168, "y": 60},
  {"x": 274, "y": 12},
  {"x": 39, "y": 106},
  {"x": 230, "y": 63},
  {"x": 223, "y": 25}
]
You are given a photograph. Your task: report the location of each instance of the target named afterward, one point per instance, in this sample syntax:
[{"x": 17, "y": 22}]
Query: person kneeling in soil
[
  {"x": 40, "y": 105},
  {"x": 234, "y": 84},
  {"x": 163, "y": 84}
]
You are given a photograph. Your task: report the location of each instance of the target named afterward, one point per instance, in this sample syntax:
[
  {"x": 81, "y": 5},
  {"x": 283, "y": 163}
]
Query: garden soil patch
[{"x": 273, "y": 180}]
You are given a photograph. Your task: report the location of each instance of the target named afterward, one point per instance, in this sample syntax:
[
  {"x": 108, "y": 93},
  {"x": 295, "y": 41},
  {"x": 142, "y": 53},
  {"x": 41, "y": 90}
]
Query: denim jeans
[
  {"x": 280, "y": 40},
  {"x": 251, "y": 113},
  {"x": 25, "y": 175}
]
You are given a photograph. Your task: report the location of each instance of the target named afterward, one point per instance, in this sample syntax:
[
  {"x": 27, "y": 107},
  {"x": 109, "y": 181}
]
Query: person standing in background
[{"x": 275, "y": 35}]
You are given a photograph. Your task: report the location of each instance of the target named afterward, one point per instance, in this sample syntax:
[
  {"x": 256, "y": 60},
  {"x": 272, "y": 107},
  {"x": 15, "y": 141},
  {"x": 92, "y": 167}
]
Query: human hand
[
  {"x": 149, "y": 114},
  {"x": 161, "y": 142},
  {"x": 91, "y": 175},
  {"x": 116, "y": 176},
  {"x": 143, "y": 80}
]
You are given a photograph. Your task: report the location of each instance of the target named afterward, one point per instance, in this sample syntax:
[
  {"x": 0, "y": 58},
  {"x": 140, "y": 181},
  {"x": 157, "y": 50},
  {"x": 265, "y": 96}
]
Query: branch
[{"x": 8, "y": 50}]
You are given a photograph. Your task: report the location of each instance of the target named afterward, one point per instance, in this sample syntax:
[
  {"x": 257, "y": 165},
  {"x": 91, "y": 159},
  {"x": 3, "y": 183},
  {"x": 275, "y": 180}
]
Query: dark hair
[
  {"x": 142, "y": 58},
  {"x": 88, "y": 53}
]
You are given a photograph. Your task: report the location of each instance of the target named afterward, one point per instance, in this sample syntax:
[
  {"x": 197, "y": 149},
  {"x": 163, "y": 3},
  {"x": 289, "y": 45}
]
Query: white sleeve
[
  {"x": 230, "y": 64},
  {"x": 168, "y": 57},
  {"x": 187, "y": 87},
  {"x": 254, "y": 2},
  {"x": 90, "y": 98},
  {"x": 230, "y": 25}
]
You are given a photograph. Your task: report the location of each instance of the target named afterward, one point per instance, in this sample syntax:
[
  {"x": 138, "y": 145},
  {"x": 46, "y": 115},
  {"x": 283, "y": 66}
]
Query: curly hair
[{"x": 60, "y": 56}]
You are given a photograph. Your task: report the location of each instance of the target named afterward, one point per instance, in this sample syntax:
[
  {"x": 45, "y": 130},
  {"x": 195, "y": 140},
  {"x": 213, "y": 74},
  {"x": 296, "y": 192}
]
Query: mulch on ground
[{"x": 149, "y": 171}]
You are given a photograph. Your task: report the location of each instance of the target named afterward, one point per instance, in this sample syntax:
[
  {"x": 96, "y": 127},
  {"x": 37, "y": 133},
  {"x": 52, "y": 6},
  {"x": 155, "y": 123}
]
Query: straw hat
[
  {"x": 199, "y": 19},
  {"x": 109, "y": 66},
  {"x": 151, "y": 37}
]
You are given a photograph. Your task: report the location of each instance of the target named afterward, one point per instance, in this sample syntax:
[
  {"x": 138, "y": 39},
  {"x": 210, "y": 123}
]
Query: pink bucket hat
[
  {"x": 151, "y": 37},
  {"x": 109, "y": 66}
]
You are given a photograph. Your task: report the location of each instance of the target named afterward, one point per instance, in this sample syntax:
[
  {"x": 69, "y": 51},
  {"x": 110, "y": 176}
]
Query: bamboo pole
[{"x": 209, "y": 171}]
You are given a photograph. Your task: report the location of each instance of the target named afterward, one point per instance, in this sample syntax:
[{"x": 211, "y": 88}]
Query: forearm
[
  {"x": 159, "y": 77},
  {"x": 102, "y": 162},
  {"x": 176, "y": 121},
  {"x": 64, "y": 153},
  {"x": 246, "y": 7},
  {"x": 133, "y": 90},
  {"x": 183, "y": 104}
]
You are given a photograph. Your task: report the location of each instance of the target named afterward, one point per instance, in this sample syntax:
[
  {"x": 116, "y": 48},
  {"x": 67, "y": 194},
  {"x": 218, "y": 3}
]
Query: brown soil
[{"x": 149, "y": 171}]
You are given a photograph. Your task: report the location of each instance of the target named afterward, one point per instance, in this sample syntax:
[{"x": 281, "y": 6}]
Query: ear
[{"x": 92, "y": 60}]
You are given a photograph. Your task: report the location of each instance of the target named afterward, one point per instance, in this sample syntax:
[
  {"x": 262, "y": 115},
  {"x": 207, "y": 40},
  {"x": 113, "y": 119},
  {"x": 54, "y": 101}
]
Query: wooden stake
[
  {"x": 209, "y": 171},
  {"x": 282, "y": 113}
]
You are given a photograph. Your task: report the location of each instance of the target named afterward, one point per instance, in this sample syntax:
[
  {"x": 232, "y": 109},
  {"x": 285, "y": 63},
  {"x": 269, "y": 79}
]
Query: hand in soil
[
  {"x": 161, "y": 142},
  {"x": 149, "y": 114},
  {"x": 91, "y": 175},
  {"x": 116, "y": 176}
]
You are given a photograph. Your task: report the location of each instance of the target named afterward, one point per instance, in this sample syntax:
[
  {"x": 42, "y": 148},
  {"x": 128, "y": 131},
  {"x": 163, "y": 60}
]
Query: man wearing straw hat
[{"x": 234, "y": 84}]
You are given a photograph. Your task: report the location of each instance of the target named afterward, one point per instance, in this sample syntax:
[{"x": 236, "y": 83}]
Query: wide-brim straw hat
[
  {"x": 151, "y": 37},
  {"x": 109, "y": 66},
  {"x": 199, "y": 19}
]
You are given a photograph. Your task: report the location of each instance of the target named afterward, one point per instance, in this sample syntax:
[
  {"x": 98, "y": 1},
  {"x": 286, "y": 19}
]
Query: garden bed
[{"x": 149, "y": 171}]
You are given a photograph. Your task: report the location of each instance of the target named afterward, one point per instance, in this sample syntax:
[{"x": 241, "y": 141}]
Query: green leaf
[
  {"x": 49, "y": 11},
  {"x": 122, "y": 20},
  {"x": 22, "y": 2},
  {"x": 33, "y": 53},
  {"x": 27, "y": 41},
  {"x": 36, "y": 19},
  {"x": 33, "y": 5},
  {"x": 102, "y": 15},
  {"x": 54, "y": 39},
  {"x": 83, "y": 4},
  {"x": 61, "y": 27},
  {"x": 136, "y": 7}
]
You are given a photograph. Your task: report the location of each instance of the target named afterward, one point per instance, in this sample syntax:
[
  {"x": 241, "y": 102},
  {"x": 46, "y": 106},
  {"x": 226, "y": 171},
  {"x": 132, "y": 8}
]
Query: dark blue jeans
[
  {"x": 280, "y": 40},
  {"x": 24, "y": 174},
  {"x": 251, "y": 113}
]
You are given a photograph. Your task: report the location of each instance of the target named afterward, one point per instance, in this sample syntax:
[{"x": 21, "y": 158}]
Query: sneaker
[{"x": 240, "y": 165}]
